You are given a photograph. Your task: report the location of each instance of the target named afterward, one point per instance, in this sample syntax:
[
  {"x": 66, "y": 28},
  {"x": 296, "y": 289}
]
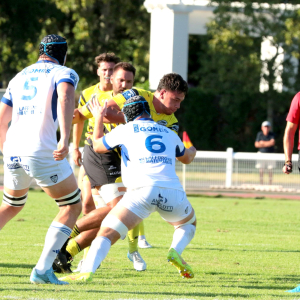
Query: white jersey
[
  {"x": 149, "y": 152},
  {"x": 32, "y": 94}
]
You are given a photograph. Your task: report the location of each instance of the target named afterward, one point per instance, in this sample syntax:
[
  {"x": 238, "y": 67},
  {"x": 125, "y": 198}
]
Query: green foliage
[
  {"x": 216, "y": 122},
  {"x": 242, "y": 249},
  {"x": 91, "y": 27}
]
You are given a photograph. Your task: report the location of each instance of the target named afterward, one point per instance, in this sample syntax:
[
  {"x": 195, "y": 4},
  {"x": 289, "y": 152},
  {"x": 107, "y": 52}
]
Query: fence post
[
  {"x": 229, "y": 167},
  {"x": 183, "y": 176}
]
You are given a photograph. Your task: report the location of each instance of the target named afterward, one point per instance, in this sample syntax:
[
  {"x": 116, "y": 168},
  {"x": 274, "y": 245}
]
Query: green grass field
[{"x": 243, "y": 249}]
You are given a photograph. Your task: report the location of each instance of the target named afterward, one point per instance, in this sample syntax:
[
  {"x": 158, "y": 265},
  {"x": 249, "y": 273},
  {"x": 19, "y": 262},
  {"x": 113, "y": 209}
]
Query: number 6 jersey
[
  {"x": 149, "y": 152},
  {"x": 32, "y": 94}
]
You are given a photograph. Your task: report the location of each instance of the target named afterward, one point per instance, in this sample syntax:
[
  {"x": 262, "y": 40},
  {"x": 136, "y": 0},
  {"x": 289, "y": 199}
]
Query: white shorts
[
  {"x": 20, "y": 170},
  {"x": 172, "y": 205}
]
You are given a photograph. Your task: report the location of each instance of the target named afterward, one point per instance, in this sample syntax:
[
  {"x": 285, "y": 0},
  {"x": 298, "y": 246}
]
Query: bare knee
[{"x": 72, "y": 209}]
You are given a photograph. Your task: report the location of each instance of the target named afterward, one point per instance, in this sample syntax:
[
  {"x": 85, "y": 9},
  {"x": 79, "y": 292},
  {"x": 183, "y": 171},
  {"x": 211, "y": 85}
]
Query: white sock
[
  {"x": 98, "y": 251},
  {"x": 55, "y": 238},
  {"x": 98, "y": 200},
  {"x": 142, "y": 237},
  {"x": 182, "y": 237}
]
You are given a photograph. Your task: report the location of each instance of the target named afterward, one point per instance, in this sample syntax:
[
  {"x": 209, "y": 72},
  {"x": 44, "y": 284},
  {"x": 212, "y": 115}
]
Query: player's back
[
  {"x": 32, "y": 93},
  {"x": 149, "y": 153}
]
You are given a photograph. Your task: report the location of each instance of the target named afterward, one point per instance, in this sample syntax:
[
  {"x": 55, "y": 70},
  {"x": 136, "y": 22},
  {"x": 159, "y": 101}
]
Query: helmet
[
  {"x": 55, "y": 47},
  {"x": 135, "y": 107}
]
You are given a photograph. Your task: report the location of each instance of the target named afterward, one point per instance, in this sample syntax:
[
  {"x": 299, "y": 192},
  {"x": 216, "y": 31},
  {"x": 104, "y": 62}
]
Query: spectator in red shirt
[{"x": 289, "y": 135}]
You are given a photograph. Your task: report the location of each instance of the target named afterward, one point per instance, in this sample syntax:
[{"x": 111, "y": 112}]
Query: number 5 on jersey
[{"x": 29, "y": 89}]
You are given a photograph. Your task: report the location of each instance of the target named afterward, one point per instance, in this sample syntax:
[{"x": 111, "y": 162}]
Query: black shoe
[{"x": 62, "y": 262}]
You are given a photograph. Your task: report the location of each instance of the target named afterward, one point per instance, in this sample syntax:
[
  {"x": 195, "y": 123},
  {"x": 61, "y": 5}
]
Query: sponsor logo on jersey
[
  {"x": 155, "y": 160},
  {"x": 162, "y": 122},
  {"x": 130, "y": 93},
  {"x": 54, "y": 178},
  {"x": 161, "y": 204},
  {"x": 73, "y": 77},
  {"x": 115, "y": 173},
  {"x": 17, "y": 164},
  {"x": 138, "y": 128},
  {"x": 112, "y": 168},
  {"x": 27, "y": 110},
  {"x": 174, "y": 127},
  {"x": 55, "y": 251},
  {"x": 186, "y": 210}
]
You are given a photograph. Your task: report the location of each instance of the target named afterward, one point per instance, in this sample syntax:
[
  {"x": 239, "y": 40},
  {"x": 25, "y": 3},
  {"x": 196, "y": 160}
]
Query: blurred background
[{"x": 240, "y": 59}]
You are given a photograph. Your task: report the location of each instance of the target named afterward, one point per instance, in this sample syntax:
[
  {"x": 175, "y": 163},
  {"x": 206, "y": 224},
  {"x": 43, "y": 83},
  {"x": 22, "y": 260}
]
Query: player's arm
[
  {"x": 65, "y": 108},
  {"x": 288, "y": 146},
  {"x": 188, "y": 156},
  {"x": 98, "y": 112},
  {"x": 5, "y": 118},
  {"x": 113, "y": 113},
  {"x": 78, "y": 116},
  {"x": 77, "y": 132}
]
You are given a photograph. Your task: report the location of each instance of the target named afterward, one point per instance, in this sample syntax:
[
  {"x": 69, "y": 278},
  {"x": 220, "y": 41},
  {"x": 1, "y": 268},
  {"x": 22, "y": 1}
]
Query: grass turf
[{"x": 243, "y": 249}]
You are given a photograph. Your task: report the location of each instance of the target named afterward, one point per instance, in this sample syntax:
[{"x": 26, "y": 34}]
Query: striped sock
[{"x": 55, "y": 238}]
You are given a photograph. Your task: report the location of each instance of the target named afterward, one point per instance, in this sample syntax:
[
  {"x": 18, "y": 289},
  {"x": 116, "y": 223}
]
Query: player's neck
[
  {"x": 156, "y": 103},
  {"x": 105, "y": 87},
  {"x": 45, "y": 57}
]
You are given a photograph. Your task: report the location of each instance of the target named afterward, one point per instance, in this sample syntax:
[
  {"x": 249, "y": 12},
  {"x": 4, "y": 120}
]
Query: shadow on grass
[
  {"x": 246, "y": 250},
  {"x": 23, "y": 266}
]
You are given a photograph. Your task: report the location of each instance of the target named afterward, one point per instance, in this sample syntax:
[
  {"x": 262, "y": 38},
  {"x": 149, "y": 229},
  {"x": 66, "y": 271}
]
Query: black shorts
[{"x": 101, "y": 168}]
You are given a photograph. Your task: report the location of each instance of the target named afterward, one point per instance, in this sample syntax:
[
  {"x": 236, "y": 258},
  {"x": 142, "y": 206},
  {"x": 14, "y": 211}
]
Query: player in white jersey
[
  {"x": 149, "y": 152},
  {"x": 35, "y": 101}
]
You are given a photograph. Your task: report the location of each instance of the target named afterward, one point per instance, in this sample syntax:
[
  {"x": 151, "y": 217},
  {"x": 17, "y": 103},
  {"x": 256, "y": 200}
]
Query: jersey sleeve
[
  {"x": 180, "y": 148},
  {"x": 121, "y": 98},
  {"x": 114, "y": 138},
  {"x": 67, "y": 75},
  {"x": 7, "y": 97},
  {"x": 294, "y": 112}
]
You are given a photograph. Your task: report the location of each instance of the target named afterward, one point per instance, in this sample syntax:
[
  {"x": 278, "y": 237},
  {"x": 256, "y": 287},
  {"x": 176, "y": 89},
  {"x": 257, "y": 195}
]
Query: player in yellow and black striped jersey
[{"x": 169, "y": 121}]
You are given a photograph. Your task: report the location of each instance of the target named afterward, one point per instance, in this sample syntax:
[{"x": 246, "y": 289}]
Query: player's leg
[
  {"x": 16, "y": 186},
  {"x": 63, "y": 188},
  {"x": 83, "y": 233},
  {"x": 129, "y": 212},
  {"x": 178, "y": 212},
  {"x": 142, "y": 237},
  {"x": 13, "y": 203},
  {"x": 115, "y": 226}
]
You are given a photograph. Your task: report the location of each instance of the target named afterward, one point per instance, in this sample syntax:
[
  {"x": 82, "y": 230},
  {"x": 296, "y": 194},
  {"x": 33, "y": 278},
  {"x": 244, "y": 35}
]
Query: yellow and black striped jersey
[
  {"x": 169, "y": 121},
  {"x": 85, "y": 110},
  {"x": 83, "y": 100}
]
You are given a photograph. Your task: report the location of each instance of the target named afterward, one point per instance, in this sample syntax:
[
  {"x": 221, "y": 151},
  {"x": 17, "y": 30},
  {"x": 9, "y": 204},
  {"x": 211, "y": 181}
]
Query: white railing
[
  {"x": 217, "y": 170},
  {"x": 241, "y": 170}
]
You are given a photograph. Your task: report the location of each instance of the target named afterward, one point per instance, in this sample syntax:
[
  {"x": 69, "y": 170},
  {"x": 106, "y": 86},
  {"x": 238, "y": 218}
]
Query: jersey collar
[
  {"x": 45, "y": 61},
  {"x": 145, "y": 119}
]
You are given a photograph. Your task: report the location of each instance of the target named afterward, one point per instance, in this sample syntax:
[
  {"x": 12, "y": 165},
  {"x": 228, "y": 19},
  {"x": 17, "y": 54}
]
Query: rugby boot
[
  {"x": 176, "y": 260},
  {"x": 62, "y": 262},
  {"x": 79, "y": 277},
  {"x": 48, "y": 277},
  {"x": 138, "y": 263},
  {"x": 144, "y": 244}
]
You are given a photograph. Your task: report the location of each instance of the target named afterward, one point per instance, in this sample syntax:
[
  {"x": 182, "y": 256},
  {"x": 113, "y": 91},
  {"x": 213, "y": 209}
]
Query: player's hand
[
  {"x": 97, "y": 110},
  {"x": 62, "y": 150},
  {"x": 77, "y": 157},
  {"x": 288, "y": 167}
]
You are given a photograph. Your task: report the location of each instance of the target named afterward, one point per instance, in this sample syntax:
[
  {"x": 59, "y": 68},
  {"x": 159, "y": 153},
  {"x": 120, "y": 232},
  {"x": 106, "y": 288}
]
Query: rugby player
[
  {"x": 36, "y": 100},
  {"x": 103, "y": 171},
  {"x": 149, "y": 152},
  {"x": 163, "y": 103},
  {"x": 91, "y": 198}
]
